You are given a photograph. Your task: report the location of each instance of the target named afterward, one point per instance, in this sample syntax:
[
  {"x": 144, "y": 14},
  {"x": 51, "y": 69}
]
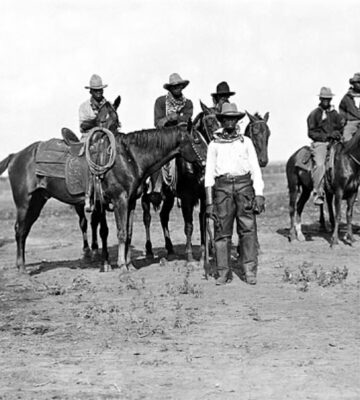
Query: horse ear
[
  {"x": 205, "y": 108},
  {"x": 251, "y": 117},
  {"x": 266, "y": 116},
  {"x": 117, "y": 102}
]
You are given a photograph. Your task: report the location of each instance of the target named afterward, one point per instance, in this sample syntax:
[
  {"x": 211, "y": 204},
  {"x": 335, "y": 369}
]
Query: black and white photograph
[{"x": 179, "y": 200}]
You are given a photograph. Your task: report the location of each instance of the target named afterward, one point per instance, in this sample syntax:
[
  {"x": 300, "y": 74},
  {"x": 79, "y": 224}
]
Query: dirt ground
[{"x": 163, "y": 332}]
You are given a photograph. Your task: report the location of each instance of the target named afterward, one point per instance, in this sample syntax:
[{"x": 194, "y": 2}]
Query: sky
[{"x": 275, "y": 54}]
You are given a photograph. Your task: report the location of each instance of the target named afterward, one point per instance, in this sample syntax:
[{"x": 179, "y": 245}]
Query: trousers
[
  {"x": 234, "y": 200},
  {"x": 318, "y": 151}
]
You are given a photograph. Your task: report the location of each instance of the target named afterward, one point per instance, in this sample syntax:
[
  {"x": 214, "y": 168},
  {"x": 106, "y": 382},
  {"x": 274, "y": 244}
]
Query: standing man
[
  {"x": 234, "y": 190},
  {"x": 349, "y": 107},
  {"x": 324, "y": 124}
]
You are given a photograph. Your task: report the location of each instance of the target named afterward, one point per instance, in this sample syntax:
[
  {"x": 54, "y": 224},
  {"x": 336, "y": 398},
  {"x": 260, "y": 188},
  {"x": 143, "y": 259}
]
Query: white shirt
[
  {"x": 235, "y": 158},
  {"x": 86, "y": 112}
]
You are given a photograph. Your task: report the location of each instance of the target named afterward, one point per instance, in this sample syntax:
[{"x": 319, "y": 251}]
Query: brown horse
[
  {"x": 341, "y": 181},
  {"x": 190, "y": 183},
  {"x": 138, "y": 154}
]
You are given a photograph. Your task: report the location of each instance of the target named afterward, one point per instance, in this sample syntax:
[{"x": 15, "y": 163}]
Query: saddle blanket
[{"x": 55, "y": 159}]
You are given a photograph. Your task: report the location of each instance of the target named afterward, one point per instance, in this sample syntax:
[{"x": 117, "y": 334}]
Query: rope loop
[{"x": 97, "y": 169}]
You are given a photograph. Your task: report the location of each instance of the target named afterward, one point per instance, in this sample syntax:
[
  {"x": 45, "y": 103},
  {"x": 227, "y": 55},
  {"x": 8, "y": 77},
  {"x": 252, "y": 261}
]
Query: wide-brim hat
[
  {"x": 96, "y": 83},
  {"x": 230, "y": 110},
  {"x": 174, "y": 80},
  {"x": 355, "y": 78},
  {"x": 326, "y": 93},
  {"x": 223, "y": 89}
]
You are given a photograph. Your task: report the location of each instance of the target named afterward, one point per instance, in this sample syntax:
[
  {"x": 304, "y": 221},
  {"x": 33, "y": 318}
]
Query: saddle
[
  {"x": 64, "y": 159},
  {"x": 306, "y": 162}
]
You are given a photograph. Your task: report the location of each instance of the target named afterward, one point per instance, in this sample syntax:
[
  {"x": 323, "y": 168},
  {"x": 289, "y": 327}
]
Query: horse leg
[
  {"x": 79, "y": 208},
  {"x": 167, "y": 206},
  {"x": 304, "y": 196},
  {"x": 145, "y": 203},
  {"x": 329, "y": 202},
  {"x": 27, "y": 214},
  {"x": 335, "y": 235},
  {"x": 129, "y": 264},
  {"x": 104, "y": 233},
  {"x": 349, "y": 237},
  {"x": 187, "y": 212},
  {"x": 121, "y": 205}
]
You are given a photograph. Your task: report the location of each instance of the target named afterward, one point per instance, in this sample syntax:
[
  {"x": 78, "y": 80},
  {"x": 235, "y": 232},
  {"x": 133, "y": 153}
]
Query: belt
[{"x": 233, "y": 178}]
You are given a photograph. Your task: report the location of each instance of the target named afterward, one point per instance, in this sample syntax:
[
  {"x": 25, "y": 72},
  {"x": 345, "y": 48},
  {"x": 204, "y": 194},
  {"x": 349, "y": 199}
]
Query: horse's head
[
  {"x": 258, "y": 131},
  {"x": 193, "y": 147},
  {"x": 208, "y": 122},
  {"x": 107, "y": 116}
]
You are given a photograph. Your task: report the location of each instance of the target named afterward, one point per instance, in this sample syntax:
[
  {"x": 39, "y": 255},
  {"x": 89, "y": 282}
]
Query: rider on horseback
[
  {"x": 325, "y": 124},
  {"x": 87, "y": 119},
  {"x": 349, "y": 107},
  {"x": 170, "y": 110}
]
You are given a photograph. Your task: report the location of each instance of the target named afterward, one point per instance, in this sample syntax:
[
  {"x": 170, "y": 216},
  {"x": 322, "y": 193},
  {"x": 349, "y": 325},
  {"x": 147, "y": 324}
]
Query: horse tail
[{"x": 5, "y": 163}]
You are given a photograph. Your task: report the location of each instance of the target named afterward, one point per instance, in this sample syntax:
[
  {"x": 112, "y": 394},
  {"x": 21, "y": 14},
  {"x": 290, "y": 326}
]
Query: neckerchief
[
  {"x": 95, "y": 105},
  {"x": 221, "y": 136},
  {"x": 173, "y": 105},
  {"x": 324, "y": 113}
]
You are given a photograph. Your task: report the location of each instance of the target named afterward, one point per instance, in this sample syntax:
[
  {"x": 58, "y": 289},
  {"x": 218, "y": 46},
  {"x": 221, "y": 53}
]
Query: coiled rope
[{"x": 97, "y": 169}]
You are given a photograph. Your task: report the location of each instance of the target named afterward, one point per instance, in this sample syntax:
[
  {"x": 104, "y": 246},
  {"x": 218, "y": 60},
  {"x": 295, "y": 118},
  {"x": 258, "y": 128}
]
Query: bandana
[
  {"x": 221, "y": 136},
  {"x": 173, "y": 105},
  {"x": 95, "y": 105}
]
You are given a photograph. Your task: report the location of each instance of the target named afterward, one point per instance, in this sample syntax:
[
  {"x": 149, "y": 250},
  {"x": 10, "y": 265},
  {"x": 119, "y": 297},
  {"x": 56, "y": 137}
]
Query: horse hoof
[
  {"x": 301, "y": 237},
  {"x": 106, "y": 267},
  {"x": 123, "y": 270},
  {"x": 130, "y": 267}
]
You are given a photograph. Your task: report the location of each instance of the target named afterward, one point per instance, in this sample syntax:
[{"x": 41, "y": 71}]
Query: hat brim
[
  {"x": 238, "y": 115},
  {"x": 168, "y": 86},
  {"x": 351, "y": 81},
  {"x": 326, "y": 96},
  {"x": 97, "y": 87},
  {"x": 223, "y": 94}
]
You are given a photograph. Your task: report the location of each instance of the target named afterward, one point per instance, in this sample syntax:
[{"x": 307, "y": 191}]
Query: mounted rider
[
  {"x": 88, "y": 111},
  {"x": 349, "y": 107},
  {"x": 325, "y": 125},
  {"x": 234, "y": 191},
  {"x": 170, "y": 110},
  {"x": 221, "y": 96}
]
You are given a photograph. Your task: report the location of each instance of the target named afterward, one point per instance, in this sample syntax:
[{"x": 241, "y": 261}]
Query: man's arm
[
  {"x": 187, "y": 112},
  {"x": 315, "y": 131},
  {"x": 160, "y": 118}
]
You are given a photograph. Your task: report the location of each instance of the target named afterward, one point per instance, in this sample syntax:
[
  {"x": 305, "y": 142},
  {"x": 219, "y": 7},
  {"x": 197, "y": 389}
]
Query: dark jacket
[
  {"x": 319, "y": 129},
  {"x": 160, "y": 119},
  {"x": 347, "y": 107}
]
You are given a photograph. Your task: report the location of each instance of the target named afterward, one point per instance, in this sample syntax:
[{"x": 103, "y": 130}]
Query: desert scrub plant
[
  {"x": 307, "y": 273},
  {"x": 186, "y": 287}
]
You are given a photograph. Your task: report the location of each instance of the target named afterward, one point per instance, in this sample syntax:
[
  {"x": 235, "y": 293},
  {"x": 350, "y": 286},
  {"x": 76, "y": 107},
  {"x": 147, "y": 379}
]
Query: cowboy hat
[
  {"x": 175, "y": 79},
  {"x": 223, "y": 89},
  {"x": 355, "y": 78},
  {"x": 326, "y": 93},
  {"x": 95, "y": 83},
  {"x": 230, "y": 110}
]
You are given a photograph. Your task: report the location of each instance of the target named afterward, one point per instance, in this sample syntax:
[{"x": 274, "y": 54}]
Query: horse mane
[
  {"x": 352, "y": 143},
  {"x": 152, "y": 139}
]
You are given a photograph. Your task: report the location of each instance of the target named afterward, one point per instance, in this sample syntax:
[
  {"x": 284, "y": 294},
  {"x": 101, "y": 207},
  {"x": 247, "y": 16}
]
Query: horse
[
  {"x": 190, "y": 183},
  {"x": 342, "y": 179},
  {"x": 138, "y": 154}
]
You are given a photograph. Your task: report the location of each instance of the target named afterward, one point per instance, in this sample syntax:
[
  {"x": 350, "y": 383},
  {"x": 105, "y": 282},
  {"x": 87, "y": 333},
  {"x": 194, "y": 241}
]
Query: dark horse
[
  {"x": 138, "y": 154},
  {"x": 190, "y": 184},
  {"x": 341, "y": 181}
]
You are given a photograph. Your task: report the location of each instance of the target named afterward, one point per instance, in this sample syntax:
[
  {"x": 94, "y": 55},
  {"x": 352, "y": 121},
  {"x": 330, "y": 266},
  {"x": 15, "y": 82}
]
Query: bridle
[
  {"x": 195, "y": 141},
  {"x": 206, "y": 126}
]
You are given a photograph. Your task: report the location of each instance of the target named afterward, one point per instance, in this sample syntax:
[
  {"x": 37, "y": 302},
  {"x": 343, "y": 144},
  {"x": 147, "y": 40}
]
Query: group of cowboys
[{"x": 233, "y": 178}]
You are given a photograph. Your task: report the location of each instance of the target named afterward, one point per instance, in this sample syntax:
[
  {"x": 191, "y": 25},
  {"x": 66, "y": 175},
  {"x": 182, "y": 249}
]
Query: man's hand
[
  {"x": 259, "y": 204},
  {"x": 335, "y": 135},
  {"x": 172, "y": 117}
]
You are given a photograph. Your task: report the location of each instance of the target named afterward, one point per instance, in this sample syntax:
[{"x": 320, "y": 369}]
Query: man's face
[
  {"x": 325, "y": 103},
  {"x": 229, "y": 123},
  {"x": 356, "y": 86},
  {"x": 176, "y": 90},
  {"x": 219, "y": 100},
  {"x": 97, "y": 94}
]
